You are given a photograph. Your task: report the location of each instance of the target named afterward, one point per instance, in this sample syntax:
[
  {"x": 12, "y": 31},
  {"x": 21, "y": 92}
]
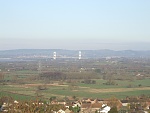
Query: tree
[
  {"x": 140, "y": 85},
  {"x": 113, "y": 110},
  {"x": 96, "y": 111},
  {"x": 98, "y": 70},
  {"x": 42, "y": 87},
  {"x": 113, "y": 101},
  {"x": 52, "y": 98},
  {"x": 75, "y": 109},
  {"x": 74, "y": 97}
]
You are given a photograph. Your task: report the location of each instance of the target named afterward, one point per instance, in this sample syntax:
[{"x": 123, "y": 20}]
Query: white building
[{"x": 105, "y": 109}]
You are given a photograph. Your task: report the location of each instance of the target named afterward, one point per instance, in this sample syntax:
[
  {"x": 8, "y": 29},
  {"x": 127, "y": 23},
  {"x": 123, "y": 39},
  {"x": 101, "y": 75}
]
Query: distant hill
[{"x": 74, "y": 53}]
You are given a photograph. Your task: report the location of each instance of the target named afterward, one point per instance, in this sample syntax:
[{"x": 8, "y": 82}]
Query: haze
[{"x": 75, "y": 24}]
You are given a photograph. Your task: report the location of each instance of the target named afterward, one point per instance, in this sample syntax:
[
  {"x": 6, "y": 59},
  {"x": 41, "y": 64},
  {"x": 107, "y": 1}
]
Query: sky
[{"x": 75, "y": 24}]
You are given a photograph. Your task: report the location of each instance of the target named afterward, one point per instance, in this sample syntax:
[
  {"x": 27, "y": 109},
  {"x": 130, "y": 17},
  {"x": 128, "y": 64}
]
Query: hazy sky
[{"x": 75, "y": 24}]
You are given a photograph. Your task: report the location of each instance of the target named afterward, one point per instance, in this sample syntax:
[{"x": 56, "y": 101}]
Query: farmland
[
  {"x": 81, "y": 91},
  {"x": 92, "y": 78}
]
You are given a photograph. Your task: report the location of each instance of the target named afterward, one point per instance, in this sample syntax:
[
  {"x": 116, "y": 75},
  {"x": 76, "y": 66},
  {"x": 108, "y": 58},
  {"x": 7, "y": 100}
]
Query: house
[
  {"x": 61, "y": 111},
  {"x": 5, "y": 105},
  {"x": 62, "y": 103},
  {"x": 124, "y": 102},
  {"x": 148, "y": 105},
  {"x": 105, "y": 109},
  {"x": 86, "y": 106},
  {"x": 67, "y": 111},
  {"x": 96, "y": 106},
  {"x": 76, "y": 104},
  {"x": 101, "y": 100}
]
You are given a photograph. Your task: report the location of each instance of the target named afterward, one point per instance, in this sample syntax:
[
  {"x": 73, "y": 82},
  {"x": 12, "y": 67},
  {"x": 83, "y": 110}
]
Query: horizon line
[{"x": 71, "y": 49}]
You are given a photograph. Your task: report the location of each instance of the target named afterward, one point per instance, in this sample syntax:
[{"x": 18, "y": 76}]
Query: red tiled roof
[
  {"x": 86, "y": 105},
  {"x": 96, "y": 105}
]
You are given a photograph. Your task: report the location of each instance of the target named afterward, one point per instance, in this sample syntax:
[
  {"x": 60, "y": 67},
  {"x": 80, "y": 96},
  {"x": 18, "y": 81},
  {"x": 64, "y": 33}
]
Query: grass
[
  {"x": 20, "y": 74},
  {"x": 82, "y": 93},
  {"x": 98, "y": 90},
  {"x": 16, "y": 96},
  {"x": 26, "y": 72},
  {"x": 121, "y": 84}
]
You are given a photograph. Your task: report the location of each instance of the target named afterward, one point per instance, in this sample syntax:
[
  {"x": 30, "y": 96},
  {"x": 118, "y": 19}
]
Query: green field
[
  {"x": 16, "y": 96},
  {"x": 98, "y": 90}
]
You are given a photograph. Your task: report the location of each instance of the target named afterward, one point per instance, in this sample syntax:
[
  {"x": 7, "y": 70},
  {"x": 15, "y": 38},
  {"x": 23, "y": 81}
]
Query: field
[
  {"x": 99, "y": 90},
  {"x": 67, "y": 78}
]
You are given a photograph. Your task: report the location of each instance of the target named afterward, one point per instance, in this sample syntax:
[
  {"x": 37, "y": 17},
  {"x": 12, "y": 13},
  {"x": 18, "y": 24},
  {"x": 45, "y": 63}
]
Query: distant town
[{"x": 60, "y": 53}]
